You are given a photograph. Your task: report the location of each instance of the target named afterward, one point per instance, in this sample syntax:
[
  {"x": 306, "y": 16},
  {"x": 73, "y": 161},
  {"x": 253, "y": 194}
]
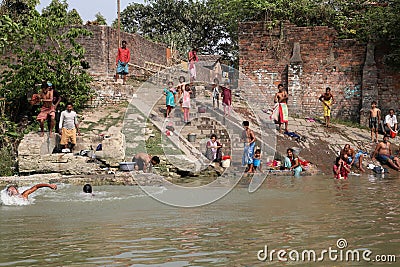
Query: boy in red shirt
[{"x": 123, "y": 57}]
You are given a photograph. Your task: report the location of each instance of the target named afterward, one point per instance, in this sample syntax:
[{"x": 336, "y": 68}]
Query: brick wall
[
  {"x": 265, "y": 57},
  {"x": 101, "y": 50}
]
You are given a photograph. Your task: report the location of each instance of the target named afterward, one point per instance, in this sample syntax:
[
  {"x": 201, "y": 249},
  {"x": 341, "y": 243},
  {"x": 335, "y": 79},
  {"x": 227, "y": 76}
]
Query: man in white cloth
[{"x": 68, "y": 126}]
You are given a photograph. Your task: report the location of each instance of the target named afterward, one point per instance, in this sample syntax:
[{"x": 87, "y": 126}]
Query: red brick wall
[
  {"x": 388, "y": 84},
  {"x": 101, "y": 50},
  {"x": 326, "y": 61}
]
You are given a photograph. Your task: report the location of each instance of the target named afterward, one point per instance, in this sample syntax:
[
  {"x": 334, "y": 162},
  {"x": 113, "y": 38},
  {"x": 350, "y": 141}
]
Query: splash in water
[{"x": 8, "y": 200}]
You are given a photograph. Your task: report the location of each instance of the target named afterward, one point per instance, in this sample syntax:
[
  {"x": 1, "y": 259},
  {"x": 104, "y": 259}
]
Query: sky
[{"x": 89, "y": 8}]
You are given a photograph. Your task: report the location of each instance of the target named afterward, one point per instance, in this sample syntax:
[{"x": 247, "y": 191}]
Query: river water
[{"x": 122, "y": 226}]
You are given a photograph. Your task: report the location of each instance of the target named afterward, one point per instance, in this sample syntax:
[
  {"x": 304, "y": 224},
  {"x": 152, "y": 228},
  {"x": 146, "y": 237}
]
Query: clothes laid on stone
[{"x": 280, "y": 113}]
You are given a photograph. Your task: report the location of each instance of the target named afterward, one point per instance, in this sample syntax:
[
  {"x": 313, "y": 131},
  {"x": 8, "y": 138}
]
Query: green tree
[
  {"x": 44, "y": 49},
  {"x": 74, "y": 18},
  {"x": 100, "y": 19},
  {"x": 187, "y": 24}
]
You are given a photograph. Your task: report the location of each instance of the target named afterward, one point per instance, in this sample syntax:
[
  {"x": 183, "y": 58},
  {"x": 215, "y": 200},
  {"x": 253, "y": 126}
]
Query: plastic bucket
[
  {"x": 192, "y": 138},
  {"x": 393, "y": 134},
  {"x": 226, "y": 157},
  {"x": 126, "y": 166},
  {"x": 226, "y": 163}
]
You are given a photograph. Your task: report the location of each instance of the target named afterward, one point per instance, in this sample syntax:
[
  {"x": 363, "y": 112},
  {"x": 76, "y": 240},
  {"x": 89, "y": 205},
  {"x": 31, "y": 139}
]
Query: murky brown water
[{"x": 121, "y": 226}]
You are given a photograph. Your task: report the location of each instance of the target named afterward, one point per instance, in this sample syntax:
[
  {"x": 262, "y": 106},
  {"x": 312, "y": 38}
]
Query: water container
[
  {"x": 127, "y": 166},
  {"x": 192, "y": 137}
]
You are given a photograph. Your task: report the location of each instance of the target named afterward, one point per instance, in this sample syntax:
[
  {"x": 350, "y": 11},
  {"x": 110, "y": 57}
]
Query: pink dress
[{"x": 186, "y": 99}]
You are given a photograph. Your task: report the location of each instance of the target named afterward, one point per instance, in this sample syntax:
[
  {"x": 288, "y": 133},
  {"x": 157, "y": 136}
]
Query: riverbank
[
  {"x": 317, "y": 144},
  {"x": 103, "y": 123}
]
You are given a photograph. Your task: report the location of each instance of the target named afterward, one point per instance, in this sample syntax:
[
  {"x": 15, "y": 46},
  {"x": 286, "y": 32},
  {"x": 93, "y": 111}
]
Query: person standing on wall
[
  {"x": 123, "y": 58},
  {"x": 47, "y": 110},
  {"x": 56, "y": 102},
  {"x": 193, "y": 58}
]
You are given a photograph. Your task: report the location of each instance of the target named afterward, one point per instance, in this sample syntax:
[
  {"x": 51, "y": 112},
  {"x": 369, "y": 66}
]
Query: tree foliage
[
  {"x": 375, "y": 21},
  {"x": 100, "y": 19},
  {"x": 212, "y": 25},
  {"x": 186, "y": 24},
  {"x": 74, "y": 18},
  {"x": 44, "y": 48}
]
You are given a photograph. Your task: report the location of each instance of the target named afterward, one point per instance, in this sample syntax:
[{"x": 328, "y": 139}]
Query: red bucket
[{"x": 393, "y": 134}]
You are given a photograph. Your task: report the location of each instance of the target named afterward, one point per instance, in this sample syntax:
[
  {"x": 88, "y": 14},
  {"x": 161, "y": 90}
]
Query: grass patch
[
  {"x": 104, "y": 124},
  {"x": 349, "y": 124},
  {"x": 154, "y": 144}
]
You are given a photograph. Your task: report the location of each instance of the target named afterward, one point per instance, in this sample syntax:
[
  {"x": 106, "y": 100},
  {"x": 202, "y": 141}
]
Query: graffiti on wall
[
  {"x": 352, "y": 91},
  {"x": 265, "y": 77}
]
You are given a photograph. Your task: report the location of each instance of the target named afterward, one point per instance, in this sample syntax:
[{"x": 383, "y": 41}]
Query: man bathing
[
  {"x": 349, "y": 155},
  {"x": 383, "y": 153}
]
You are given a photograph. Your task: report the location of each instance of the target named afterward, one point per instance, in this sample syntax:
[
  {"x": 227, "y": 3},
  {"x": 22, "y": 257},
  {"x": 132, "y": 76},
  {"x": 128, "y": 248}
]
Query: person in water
[
  {"x": 87, "y": 188},
  {"x": 257, "y": 161},
  {"x": 12, "y": 190},
  {"x": 291, "y": 162},
  {"x": 383, "y": 153}
]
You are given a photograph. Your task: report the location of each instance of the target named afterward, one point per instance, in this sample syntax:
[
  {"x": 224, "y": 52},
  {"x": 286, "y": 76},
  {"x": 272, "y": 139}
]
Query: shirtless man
[
  {"x": 281, "y": 98},
  {"x": 12, "y": 190},
  {"x": 327, "y": 102},
  {"x": 374, "y": 121},
  {"x": 383, "y": 153},
  {"x": 349, "y": 155},
  {"x": 145, "y": 162},
  {"x": 249, "y": 140},
  {"x": 48, "y": 109}
]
